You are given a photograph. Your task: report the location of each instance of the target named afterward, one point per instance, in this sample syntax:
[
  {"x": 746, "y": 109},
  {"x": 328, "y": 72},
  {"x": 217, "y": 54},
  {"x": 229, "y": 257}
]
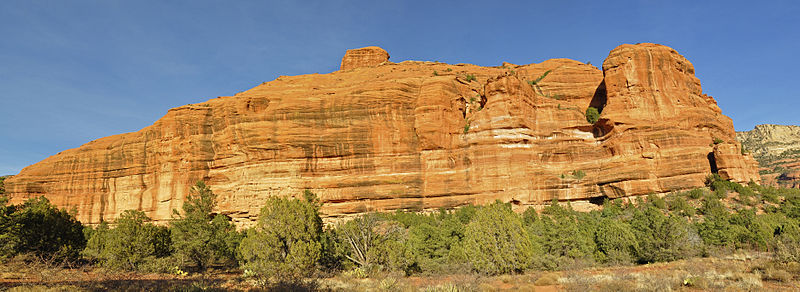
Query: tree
[
  {"x": 198, "y": 235},
  {"x": 359, "y": 234},
  {"x": 563, "y": 236},
  {"x": 787, "y": 242},
  {"x": 96, "y": 240},
  {"x": 663, "y": 238},
  {"x": 592, "y": 115},
  {"x": 373, "y": 242},
  {"x": 430, "y": 242},
  {"x": 131, "y": 244},
  {"x": 39, "y": 228},
  {"x": 615, "y": 242},
  {"x": 285, "y": 244},
  {"x": 6, "y": 246},
  {"x": 496, "y": 242}
]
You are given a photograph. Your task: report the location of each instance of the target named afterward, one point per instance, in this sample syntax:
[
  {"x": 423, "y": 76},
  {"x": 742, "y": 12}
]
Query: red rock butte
[{"x": 381, "y": 136}]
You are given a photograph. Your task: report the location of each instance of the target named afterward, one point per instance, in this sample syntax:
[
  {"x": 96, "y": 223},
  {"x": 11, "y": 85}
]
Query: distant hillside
[{"x": 777, "y": 149}]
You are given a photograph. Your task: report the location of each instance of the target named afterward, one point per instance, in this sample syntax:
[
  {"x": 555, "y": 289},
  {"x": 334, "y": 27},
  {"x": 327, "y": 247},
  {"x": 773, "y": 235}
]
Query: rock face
[
  {"x": 380, "y": 136},
  {"x": 777, "y": 149},
  {"x": 363, "y": 57}
]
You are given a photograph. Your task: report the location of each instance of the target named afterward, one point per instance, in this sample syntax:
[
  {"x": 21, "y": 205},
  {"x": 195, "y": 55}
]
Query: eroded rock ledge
[{"x": 380, "y": 136}]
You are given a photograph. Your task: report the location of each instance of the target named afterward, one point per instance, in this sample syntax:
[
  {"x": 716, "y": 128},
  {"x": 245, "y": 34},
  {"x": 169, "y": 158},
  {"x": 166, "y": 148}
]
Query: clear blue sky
[{"x": 75, "y": 71}]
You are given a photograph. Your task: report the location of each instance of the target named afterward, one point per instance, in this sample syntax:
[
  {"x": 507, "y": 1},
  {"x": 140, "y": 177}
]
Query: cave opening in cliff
[
  {"x": 598, "y": 200},
  {"x": 600, "y": 97},
  {"x": 712, "y": 161}
]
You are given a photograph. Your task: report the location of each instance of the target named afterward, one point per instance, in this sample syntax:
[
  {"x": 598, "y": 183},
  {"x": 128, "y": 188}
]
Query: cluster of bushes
[
  {"x": 494, "y": 240},
  {"x": 290, "y": 242},
  {"x": 195, "y": 239},
  {"x": 39, "y": 229}
]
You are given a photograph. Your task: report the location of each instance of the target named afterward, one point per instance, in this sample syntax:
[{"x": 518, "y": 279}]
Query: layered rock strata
[
  {"x": 378, "y": 136},
  {"x": 777, "y": 150}
]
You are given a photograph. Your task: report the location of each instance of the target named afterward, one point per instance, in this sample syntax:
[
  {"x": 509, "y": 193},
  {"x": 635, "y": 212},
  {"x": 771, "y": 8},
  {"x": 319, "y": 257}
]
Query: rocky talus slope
[
  {"x": 777, "y": 150},
  {"x": 378, "y": 135}
]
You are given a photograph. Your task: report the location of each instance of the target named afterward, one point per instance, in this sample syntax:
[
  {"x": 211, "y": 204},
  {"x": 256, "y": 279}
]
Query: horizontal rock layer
[
  {"x": 379, "y": 136},
  {"x": 777, "y": 150}
]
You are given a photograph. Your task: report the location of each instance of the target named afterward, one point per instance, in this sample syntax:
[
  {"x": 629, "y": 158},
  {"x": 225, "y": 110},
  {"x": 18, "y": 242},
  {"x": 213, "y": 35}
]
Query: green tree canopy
[
  {"x": 131, "y": 244},
  {"x": 39, "y": 228},
  {"x": 285, "y": 244},
  {"x": 663, "y": 238},
  {"x": 198, "y": 235},
  {"x": 496, "y": 242}
]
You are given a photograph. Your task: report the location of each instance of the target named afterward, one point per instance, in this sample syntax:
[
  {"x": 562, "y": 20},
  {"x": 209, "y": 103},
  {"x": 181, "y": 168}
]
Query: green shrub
[
  {"x": 592, "y": 115},
  {"x": 132, "y": 245},
  {"x": 716, "y": 229},
  {"x": 696, "y": 194},
  {"x": 535, "y": 83},
  {"x": 495, "y": 241},
  {"x": 663, "y": 238},
  {"x": 787, "y": 248},
  {"x": 199, "y": 236},
  {"x": 39, "y": 228},
  {"x": 563, "y": 237},
  {"x": 539, "y": 79},
  {"x": 332, "y": 257},
  {"x": 615, "y": 241},
  {"x": 470, "y": 77},
  {"x": 529, "y": 217},
  {"x": 612, "y": 209},
  {"x": 678, "y": 205},
  {"x": 711, "y": 205},
  {"x": 6, "y": 238},
  {"x": 431, "y": 242},
  {"x": 791, "y": 204},
  {"x": 97, "y": 238},
  {"x": 768, "y": 194},
  {"x": 751, "y": 230},
  {"x": 285, "y": 244},
  {"x": 656, "y": 201}
]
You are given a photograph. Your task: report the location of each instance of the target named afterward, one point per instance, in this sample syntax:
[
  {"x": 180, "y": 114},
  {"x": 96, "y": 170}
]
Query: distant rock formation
[
  {"x": 777, "y": 149},
  {"x": 379, "y": 136}
]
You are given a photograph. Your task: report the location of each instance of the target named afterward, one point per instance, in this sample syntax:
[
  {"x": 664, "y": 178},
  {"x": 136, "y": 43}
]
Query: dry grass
[
  {"x": 737, "y": 272},
  {"x": 548, "y": 279}
]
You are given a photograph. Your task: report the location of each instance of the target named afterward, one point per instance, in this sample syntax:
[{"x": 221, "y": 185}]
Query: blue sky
[{"x": 75, "y": 71}]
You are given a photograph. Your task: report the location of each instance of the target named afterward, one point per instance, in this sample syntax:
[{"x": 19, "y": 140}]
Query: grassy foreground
[{"x": 742, "y": 271}]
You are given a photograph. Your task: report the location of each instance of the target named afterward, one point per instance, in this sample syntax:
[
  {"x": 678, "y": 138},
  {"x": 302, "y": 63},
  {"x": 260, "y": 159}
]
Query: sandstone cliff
[
  {"x": 777, "y": 150},
  {"x": 378, "y": 135}
]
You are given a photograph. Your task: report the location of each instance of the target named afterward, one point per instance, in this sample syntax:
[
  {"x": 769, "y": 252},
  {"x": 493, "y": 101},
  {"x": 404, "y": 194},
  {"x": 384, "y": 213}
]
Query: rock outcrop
[
  {"x": 413, "y": 135},
  {"x": 777, "y": 149},
  {"x": 363, "y": 57}
]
